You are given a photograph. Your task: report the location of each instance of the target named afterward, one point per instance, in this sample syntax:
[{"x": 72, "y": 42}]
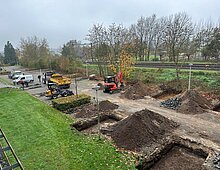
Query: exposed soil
[
  {"x": 103, "y": 124},
  {"x": 193, "y": 95},
  {"x": 216, "y": 106},
  {"x": 137, "y": 90},
  {"x": 91, "y": 110},
  {"x": 141, "y": 129},
  {"x": 179, "y": 158},
  {"x": 193, "y": 103},
  {"x": 107, "y": 105}
]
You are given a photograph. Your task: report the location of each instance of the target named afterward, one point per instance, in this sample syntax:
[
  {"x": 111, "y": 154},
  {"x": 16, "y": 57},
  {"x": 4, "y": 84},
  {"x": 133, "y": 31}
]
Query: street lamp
[
  {"x": 190, "y": 72},
  {"x": 87, "y": 71},
  {"x": 75, "y": 85},
  {"x": 97, "y": 102}
]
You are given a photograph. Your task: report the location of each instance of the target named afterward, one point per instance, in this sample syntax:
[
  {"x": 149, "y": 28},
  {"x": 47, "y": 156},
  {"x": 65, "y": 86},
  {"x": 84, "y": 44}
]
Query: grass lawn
[
  {"x": 200, "y": 78},
  {"x": 205, "y": 79},
  {"x": 42, "y": 139}
]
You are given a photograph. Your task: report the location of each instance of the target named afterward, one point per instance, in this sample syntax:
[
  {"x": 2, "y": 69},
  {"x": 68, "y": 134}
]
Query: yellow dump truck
[{"x": 60, "y": 81}]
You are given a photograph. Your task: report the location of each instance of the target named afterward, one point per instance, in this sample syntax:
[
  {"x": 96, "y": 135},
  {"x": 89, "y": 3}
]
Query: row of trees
[
  {"x": 35, "y": 53},
  {"x": 116, "y": 47},
  {"x": 169, "y": 37},
  {"x": 165, "y": 37}
]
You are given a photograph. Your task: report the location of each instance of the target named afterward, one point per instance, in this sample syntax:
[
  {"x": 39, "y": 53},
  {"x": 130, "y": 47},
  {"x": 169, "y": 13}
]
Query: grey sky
[{"x": 62, "y": 20}]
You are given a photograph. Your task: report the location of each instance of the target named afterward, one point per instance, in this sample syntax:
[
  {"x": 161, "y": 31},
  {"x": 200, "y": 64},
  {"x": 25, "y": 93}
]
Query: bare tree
[
  {"x": 149, "y": 26},
  {"x": 97, "y": 36},
  {"x": 178, "y": 31},
  {"x": 159, "y": 31}
]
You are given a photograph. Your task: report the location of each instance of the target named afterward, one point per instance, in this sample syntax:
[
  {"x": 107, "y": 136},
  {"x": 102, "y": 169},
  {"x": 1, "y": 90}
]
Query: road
[{"x": 202, "y": 128}]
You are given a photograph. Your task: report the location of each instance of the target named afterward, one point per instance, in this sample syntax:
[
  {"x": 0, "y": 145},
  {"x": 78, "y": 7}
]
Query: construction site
[{"x": 163, "y": 127}]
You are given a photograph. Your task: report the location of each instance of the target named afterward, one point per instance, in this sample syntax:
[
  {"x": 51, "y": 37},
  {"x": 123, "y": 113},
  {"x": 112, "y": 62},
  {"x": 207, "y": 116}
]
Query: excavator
[
  {"x": 111, "y": 83},
  {"x": 54, "y": 91}
]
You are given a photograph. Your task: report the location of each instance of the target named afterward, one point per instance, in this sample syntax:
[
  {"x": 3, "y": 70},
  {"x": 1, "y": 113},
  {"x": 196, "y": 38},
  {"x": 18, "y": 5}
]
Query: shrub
[
  {"x": 4, "y": 72},
  {"x": 65, "y": 103}
]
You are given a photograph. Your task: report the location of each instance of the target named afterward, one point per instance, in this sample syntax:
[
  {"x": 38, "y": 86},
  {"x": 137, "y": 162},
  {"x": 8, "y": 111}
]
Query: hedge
[
  {"x": 4, "y": 72},
  {"x": 65, "y": 103}
]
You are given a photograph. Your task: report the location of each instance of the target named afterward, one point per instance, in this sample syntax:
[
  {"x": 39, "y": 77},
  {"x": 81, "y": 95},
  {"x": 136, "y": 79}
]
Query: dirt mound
[
  {"x": 193, "y": 95},
  {"x": 141, "y": 129},
  {"x": 90, "y": 110},
  {"x": 107, "y": 105},
  {"x": 190, "y": 107},
  {"x": 193, "y": 103},
  {"x": 87, "y": 111},
  {"x": 136, "y": 90}
]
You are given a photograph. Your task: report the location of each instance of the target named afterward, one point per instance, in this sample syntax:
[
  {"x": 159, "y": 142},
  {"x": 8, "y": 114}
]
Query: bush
[
  {"x": 65, "y": 103},
  {"x": 4, "y": 72}
]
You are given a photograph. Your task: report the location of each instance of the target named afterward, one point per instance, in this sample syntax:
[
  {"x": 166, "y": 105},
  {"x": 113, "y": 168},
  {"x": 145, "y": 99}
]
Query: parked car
[
  {"x": 47, "y": 75},
  {"x": 26, "y": 79},
  {"x": 14, "y": 75}
]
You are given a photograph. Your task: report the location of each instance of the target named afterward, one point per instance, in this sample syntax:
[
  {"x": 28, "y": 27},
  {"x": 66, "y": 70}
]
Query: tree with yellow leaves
[{"x": 124, "y": 62}]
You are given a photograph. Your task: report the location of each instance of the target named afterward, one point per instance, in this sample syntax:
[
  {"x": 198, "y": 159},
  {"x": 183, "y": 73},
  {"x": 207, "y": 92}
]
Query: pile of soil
[
  {"x": 137, "y": 90},
  {"x": 90, "y": 110},
  {"x": 107, "y": 105},
  {"x": 141, "y": 129},
  {"x": 180, "y": 158},
  {"x": 193, "y": 103}
]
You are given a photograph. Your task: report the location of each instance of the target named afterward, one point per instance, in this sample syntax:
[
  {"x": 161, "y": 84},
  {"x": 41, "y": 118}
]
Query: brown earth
[
  {"x": 193, "y": 95},
  {"x": 179, "y": 158},
  {"x": 193, "y": 103},
  {"x": 90, "y": 110},
  {"x": 141, "y": 129},
  {"x": 137, "y": 90}
]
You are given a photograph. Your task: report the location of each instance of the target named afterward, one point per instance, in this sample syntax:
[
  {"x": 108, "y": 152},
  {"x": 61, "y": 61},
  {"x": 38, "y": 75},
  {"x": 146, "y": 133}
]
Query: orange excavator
[{"x": 111, "y": 83}]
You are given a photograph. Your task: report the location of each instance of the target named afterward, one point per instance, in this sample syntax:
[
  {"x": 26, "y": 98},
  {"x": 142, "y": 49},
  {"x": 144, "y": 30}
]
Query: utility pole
[
  {"x": 190, "y": 72},
  {"x": 91, "y": 52},
  {"x": 87, "y": 70},
  {"x": 97, "y": 102},
  {"x": 76, "y": 86}
]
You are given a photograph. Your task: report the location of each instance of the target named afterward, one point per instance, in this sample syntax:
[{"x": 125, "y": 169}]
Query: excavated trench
[
  {"x": 178, "y": 154},
  {"x": 90, "y": 125},
  {"x": 159, "y": 149},
  {"x": 88, "y": 115},
  {"x": 217, "y": 107}
]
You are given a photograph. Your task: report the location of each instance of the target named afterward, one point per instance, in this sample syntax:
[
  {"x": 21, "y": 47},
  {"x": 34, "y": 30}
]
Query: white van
[
  {"x": 14, "y": 75},
  {"x": 24, "y": 78}
]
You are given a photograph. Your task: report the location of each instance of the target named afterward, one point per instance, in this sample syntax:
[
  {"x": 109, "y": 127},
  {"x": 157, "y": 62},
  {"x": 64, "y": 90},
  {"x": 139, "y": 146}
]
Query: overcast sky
[{"x": 62, "y": 20}]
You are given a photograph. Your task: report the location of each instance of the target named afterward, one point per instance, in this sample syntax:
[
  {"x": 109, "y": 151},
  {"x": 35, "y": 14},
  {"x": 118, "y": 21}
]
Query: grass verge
[{"x": 42, "y": 138}]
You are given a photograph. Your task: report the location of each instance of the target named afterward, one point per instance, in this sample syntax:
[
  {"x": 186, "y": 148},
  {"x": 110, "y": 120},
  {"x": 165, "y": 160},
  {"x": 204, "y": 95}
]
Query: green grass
[
  {"x": 201, "y": 78},
  {"x": 42, "y": 139}
]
